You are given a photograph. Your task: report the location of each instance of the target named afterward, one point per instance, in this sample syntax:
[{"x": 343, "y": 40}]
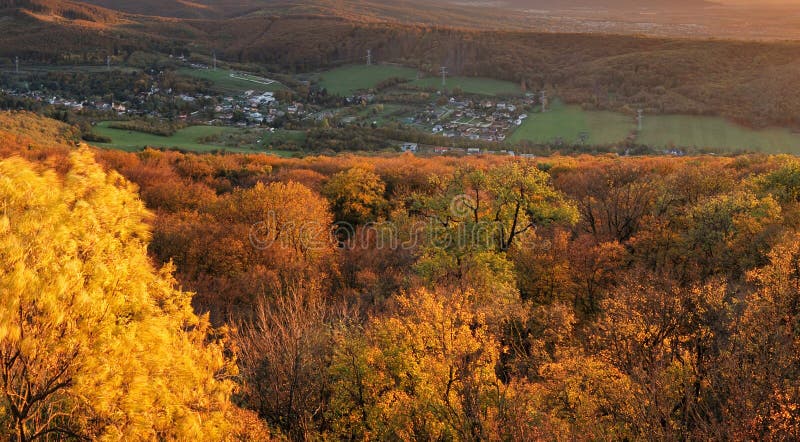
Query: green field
[
  {"x": 660, "y": 131},
  {"x": 188, "y": 139},
  {"x": 713, "y": 132},
  {"x": 284, "y": 136},
  {"x": 223, "y": 82},
  {"x": 472, "y": 85},
  {"x": 569, "y": 122},
  {"x": 349, "y": 79}
]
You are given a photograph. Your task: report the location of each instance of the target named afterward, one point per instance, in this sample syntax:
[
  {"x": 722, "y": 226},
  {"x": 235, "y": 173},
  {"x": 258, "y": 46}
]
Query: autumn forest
[
  {"x": 398, "y": 220},
  {"x": 161, "y": 295}
]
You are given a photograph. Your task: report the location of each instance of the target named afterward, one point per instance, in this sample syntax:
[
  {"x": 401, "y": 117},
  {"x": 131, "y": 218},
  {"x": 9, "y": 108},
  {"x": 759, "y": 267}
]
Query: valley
[{"x": 493, "y": 115}]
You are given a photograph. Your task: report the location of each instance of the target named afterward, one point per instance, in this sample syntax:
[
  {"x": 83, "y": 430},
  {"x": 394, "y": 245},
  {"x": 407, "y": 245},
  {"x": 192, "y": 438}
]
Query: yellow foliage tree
[
  {"x": 94, "y": 341},
  {"x": 765, "y": 371},
  {"x": 356, "y": 195},
  {"x": 427, "y": 373}
]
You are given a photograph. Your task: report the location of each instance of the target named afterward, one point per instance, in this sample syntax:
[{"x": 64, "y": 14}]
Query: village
[
  {"x": 249, "y": 109},
  {"x": 483, "y": 120},
  {"x": 458, "y": 117},
  {"x": 449, "y": 114}
]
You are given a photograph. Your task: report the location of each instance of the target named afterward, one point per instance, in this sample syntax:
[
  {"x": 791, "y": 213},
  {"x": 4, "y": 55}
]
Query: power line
[{"x": 543, "y": 98}]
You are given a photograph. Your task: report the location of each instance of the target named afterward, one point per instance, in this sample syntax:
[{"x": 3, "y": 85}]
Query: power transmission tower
[
  {"x": 543, "y": 99},
  {"x": 108, "y": 63},
  {"x": 444, "y": 76},
  {"x": 214, "y": 57},
  {"x": 639, "y": 118},
  {"x": 369, "y": 57},
  {"x": 16, "y": 64}
]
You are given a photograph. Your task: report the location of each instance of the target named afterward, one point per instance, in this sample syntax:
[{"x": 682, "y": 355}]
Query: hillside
[
  {"x": 168, "y": 8},
  {"x": 750, "y": 82},
  {"x": 398, "y": 11},
  {"x": 682, "y": 18},
  {"x": 55, "y": 10}
]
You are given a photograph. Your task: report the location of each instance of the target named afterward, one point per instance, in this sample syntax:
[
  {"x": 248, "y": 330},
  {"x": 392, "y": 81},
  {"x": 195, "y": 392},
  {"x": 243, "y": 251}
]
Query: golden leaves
[{"x": 89, "y": 327}]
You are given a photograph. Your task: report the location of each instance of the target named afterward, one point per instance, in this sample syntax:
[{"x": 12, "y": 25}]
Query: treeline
[
  {"x": 150, "y": 126},
  {"x": 486, "y": 298},
  {"x": 119, "y": 84}
]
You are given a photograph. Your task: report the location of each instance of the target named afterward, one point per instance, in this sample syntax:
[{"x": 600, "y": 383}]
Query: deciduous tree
[{"x": 94, "y": 341}]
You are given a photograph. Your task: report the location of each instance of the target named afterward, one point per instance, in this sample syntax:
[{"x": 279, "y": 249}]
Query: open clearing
[
  {"x": 187, "y": 139},
  {"x": 713, "y": 132},
  {"x": 568, "y": 123},
  {"x": 233, "y": 82},
  {"x": 472, "y": 85},
  {"x": 350, "y": 79}
]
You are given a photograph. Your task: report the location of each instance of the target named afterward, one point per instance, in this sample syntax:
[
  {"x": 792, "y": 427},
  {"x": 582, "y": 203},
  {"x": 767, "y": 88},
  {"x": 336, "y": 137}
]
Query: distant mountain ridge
[
  {"x": 210, "y": 9},
  {"x": 617, "y": 5}
]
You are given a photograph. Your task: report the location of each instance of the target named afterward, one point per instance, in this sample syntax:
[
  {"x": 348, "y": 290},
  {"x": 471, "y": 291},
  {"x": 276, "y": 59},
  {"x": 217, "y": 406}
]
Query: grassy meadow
[
  {"x": 189, "y": 139},
  {"x": 715, "y": 133},
  {"x": 347, "y": 80},
  {"x": 569, "y": 122},
  {"x": 223, "y": 82}
]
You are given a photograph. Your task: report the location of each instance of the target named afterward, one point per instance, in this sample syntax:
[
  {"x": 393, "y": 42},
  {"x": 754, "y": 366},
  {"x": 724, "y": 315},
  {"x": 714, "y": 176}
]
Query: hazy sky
[{"x": 760, "y": 2}]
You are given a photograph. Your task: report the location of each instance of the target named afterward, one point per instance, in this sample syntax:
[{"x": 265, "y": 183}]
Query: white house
[{"x": 409, "y": 147}]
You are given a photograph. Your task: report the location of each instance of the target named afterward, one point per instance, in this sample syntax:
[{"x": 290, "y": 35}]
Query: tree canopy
[{"x": 95, "y": 342}]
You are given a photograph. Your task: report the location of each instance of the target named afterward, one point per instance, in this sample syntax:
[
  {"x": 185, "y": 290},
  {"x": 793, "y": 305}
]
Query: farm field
[
  {"x": 224, "y": 82},
  {"x": 472, "y": 85},
  {"x": 188, "y": 139},
  {"x": 714, "y": 132},
  {"x": 569, "y": 122},
  {"x": 349, "y": 79},
  {"x": 662, "y": 131}
]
